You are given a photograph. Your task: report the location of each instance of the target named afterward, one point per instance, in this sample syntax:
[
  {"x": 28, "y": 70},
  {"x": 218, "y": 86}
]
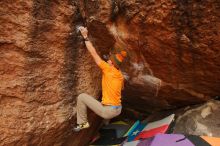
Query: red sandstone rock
[
  {"x": 43, "y": 67},
  {"x": 174, "y": 60}
]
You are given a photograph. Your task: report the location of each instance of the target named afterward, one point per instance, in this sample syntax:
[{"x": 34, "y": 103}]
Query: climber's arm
[
  {"x": 89, "y": 45},
  {"x": 93, "y": 52}
]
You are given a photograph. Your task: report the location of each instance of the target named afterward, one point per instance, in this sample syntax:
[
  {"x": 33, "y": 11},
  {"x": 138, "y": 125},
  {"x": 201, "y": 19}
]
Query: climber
[{"x": 112, "y": 84}]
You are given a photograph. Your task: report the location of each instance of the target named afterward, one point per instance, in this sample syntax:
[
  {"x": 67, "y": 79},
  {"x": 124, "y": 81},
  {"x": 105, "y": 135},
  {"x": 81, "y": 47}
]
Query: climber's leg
[{"x": 85, "y": 100}]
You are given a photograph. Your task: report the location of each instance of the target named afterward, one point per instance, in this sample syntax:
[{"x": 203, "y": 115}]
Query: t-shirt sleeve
[{"x": 103, "y": 65}]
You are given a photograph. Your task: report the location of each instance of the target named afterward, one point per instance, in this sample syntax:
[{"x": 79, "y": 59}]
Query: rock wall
[
  {"x": 173, "y": 60},
  {"x": 43, "y": 67}
]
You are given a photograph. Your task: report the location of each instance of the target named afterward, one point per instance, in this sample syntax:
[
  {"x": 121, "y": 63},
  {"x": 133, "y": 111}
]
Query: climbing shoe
[{"x": 81, "y": 126}]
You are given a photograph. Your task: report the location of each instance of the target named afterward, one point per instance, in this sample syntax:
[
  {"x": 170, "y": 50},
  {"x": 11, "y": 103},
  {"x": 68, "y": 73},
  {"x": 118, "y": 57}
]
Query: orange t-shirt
[{"x": 112, "y": 83}]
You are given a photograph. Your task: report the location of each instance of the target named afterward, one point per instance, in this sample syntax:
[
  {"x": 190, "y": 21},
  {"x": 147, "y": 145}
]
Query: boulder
[{"x": 201, "y": 120}]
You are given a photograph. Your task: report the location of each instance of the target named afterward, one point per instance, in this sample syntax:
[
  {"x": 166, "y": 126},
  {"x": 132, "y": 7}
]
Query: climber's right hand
[{"x": 83, "y": 31}]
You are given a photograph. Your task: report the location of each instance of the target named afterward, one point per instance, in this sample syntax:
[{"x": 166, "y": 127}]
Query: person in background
[{"x": 112, "y": 84}]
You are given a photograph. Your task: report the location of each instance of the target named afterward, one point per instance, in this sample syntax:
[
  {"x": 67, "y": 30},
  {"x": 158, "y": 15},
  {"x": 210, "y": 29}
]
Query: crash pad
[
  {"x": 153, "y": 128},
  {"x": 159, "y": 123},
  {"x": 141, "y": 142},
  {"x": 151, "y": 132},
  {"x": 107, "y": 137},
  {"x": 213, "y": 141},
  {"x": 131, "y": 130},
  {"x": 108, "y": 141},
  {"x": 173, "y": 140},
  {"x": 132, "y": 143},
  {"x": 136, "y": 131},
  {"x": 120, "y": 122},
  {"x": 120, "y": 129},
  {"x": 197, "y": 140}
]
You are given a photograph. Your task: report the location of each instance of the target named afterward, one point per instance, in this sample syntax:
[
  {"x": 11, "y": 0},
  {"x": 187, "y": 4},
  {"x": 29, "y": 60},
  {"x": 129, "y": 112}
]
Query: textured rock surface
[
  {"x": 43, "y": 67},
  {"x": 174, "y": 60},
  {"x": 203, "y": 120}
]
